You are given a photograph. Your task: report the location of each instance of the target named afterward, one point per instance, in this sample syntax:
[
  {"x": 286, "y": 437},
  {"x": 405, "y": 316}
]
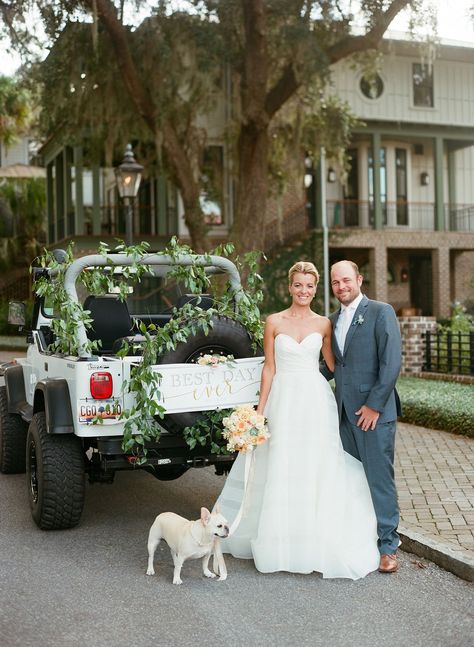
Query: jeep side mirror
[{"x": 17, "y": 313}]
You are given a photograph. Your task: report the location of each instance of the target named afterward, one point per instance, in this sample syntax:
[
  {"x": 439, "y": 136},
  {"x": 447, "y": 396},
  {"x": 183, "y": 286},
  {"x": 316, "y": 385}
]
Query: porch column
[
  {"x": 79, "y": 191},
  {"x": 441, "y": 282},
  {"x": 451, "y": 224},
  {"x": 68, "y": 208},
  {"x": 439, "y": 188},
  {"x": 161, "y": 206},
  {"x": 376, "y": 145},
  {"x": 316, "y": 198},
  {"x": 378, "y": 271},
  {"x": 51, "y": 233},
  {"x": 96, "y": 215},
  {"x": 59, "y": 195}
]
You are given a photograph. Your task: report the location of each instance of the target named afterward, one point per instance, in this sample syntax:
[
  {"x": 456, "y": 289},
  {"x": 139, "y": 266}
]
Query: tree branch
[
  {"x": 352, "y": 44},
  {"x": 255, "y": 68},
  {"x": 107, "y": 14},
  {"x": 179, "y": 161},
  {"x": 283, "y": 89}
]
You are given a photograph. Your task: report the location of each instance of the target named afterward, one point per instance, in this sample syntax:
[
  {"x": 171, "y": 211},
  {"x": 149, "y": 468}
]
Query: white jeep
[{"x": 51, "y": 403}]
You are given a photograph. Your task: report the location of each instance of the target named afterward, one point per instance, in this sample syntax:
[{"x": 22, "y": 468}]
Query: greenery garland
[
  {"x": 139, "y": 427},
  {"x": 208, "y": 431}
]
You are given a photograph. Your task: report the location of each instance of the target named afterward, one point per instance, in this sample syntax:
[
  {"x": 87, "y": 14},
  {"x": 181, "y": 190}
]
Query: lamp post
[{"x": 128, "y": 176}]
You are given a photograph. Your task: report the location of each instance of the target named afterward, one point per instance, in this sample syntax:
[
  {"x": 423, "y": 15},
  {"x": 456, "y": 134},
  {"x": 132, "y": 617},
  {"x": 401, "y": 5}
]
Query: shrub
[{"x": 437, "y": 405}]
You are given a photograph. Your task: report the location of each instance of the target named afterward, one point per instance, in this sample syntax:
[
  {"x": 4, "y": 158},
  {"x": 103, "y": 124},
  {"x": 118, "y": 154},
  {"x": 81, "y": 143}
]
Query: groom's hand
[{"x": 368, "y": 418}]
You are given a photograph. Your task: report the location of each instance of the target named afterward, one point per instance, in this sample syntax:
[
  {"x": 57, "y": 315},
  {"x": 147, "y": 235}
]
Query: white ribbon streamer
[{"x": 248, "y": 464}]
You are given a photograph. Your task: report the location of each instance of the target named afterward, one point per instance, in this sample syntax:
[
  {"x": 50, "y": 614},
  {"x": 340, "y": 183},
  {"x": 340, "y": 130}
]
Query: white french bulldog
[{"x": 190, "y": 540}]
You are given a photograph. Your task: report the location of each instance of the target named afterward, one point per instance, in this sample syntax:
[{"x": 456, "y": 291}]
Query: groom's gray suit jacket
[{"x": 367, "y": 370}]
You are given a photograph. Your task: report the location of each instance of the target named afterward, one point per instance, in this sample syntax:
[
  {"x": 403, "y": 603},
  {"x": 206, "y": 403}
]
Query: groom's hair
[
  {"x": 303, "y": 267},
  {"x": 354, "y": 266}
]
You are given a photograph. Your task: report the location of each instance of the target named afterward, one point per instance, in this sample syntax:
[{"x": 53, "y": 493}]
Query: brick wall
[
  {"x": 413, "y": 345},
  {"x": 451, "y": 254},
  {"x": 463, "y": 275}
]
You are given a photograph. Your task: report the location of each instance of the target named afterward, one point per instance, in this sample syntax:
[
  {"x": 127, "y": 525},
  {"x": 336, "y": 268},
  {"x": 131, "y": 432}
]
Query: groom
[{"x": 367, "y": 348}]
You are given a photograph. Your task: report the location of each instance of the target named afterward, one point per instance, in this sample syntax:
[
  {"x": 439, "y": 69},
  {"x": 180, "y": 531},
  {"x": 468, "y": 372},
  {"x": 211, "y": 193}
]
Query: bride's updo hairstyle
[{"x": 302, "y": 267}]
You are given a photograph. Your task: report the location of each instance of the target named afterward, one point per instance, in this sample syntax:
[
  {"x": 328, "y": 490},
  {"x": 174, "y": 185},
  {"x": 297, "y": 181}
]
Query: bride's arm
[
  {"x": 268, "y": 370},
  {"x": 326, "y": 348}
]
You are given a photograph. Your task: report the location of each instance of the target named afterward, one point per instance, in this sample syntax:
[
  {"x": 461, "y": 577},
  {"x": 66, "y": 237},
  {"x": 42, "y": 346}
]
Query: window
[
  {"x": 383, "y": 185},
  {"x": 351, "y": 191},
  {"x": 423, "y": 85},
  {"x": 401, "y": 185},
  {"x": 371, "y": 88}
]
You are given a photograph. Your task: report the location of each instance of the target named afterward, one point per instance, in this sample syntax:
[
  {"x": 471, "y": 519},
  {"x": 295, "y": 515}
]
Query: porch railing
[
  {"x": 400, "y": 214},
  {"x": 461, "y": 218},
  {"x": 449, "y": 352}
]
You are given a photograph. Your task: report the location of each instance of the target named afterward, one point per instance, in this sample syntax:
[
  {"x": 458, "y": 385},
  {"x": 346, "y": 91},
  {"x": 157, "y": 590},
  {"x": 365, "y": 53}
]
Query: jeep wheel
[
  {"x": 226, "y": 337},
  {"x": 12, "y": 438},
  {"x": 55, "y": 476}
]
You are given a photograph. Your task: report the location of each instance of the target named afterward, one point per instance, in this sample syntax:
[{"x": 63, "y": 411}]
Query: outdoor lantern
[
  {"x": 128, "y": 175},
  {"x": 424, "y": 179},
  {"x": 331, "y": 175}
]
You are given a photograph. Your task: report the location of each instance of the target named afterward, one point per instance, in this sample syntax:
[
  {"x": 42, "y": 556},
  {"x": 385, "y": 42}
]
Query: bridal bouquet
[{"x": 244, "y": 429}]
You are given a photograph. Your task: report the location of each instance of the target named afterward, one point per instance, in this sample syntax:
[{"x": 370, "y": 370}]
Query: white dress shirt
[{"x": 345, "y": 320}]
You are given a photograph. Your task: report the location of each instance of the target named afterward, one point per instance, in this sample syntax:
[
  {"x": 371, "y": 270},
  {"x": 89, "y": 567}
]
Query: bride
[{"x": 307, "y": 505}]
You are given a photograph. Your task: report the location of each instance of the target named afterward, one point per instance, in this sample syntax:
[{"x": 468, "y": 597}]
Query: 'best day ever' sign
[{"x": 191, "y": 387}]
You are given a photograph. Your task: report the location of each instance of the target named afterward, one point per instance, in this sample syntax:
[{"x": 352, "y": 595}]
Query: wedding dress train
[{"x": 307, "y": 506}]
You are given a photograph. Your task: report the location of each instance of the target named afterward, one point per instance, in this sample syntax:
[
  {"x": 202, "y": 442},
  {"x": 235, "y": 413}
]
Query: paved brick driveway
[{"x": 435, "y": 480}]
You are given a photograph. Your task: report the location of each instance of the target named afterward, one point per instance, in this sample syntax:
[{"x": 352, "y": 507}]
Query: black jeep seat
[{"x": 111, "y": 320}]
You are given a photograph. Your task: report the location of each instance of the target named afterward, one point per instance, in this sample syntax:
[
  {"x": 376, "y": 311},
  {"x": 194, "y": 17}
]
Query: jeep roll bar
[{"x": 163, "y": 263}]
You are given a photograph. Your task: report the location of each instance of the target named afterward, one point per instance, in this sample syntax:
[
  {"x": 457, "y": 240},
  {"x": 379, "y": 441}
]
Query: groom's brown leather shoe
[{"x": 388, "y": 564}]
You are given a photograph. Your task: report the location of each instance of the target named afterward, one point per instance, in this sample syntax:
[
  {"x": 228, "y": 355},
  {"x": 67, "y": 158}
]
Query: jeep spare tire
[{"x": 226, "y": 337}]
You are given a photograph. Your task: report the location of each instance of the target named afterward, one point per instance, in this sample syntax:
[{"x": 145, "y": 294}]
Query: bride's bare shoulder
[
  {"x": 275, "y": 318},
  {"x": 325, "y": 324},
  {"x": 324, "y": 320}
]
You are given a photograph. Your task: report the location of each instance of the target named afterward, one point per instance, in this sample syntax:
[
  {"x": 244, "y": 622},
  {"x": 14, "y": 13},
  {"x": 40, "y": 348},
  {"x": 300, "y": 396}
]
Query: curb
[{"x": 460, "y": 563}]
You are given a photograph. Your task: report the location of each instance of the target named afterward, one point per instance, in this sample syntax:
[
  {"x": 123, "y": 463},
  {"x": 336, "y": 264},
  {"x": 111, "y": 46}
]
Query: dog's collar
[{"x": 199, "y": 540}]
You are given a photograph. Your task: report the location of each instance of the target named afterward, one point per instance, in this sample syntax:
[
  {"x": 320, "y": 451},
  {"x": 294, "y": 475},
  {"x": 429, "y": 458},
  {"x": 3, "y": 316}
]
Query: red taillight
[{"x": 101, "y": 385}]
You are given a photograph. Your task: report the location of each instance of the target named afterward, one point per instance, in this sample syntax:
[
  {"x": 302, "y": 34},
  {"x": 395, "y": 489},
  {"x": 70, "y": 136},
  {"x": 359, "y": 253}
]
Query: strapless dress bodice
[{"x": 291, "y": 355}]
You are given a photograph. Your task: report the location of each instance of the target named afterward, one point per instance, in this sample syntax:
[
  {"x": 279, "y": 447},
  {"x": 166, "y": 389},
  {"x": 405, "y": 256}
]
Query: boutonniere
[{"x": 359, "y": 321}]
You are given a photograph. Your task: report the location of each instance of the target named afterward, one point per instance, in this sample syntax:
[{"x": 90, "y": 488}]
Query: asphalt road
[{"x": 87, "y": 586}]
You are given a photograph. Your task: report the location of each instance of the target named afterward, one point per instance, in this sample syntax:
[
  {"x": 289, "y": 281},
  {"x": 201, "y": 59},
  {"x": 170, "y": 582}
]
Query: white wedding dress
[{"x": 307, "y": 505}]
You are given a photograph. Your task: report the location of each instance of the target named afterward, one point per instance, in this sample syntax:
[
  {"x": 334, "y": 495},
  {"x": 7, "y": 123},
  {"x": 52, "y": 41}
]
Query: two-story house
[{"x": 405, "y": 211}]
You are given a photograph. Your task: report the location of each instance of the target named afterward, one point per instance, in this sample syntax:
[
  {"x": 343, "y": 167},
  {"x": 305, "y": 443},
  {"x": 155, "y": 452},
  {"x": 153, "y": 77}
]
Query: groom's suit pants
[{"x": 376, "y": 449}]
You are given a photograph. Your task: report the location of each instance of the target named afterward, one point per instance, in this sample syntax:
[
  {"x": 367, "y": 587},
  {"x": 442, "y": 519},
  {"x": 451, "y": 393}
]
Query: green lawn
[{"x": 437, "y": 405}]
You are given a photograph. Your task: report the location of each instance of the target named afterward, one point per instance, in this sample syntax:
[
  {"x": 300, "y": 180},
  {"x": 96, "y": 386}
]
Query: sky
[{"x": 454, "y": 23}]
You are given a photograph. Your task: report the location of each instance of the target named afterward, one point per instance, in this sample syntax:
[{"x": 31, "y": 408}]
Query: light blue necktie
[{"x": 342, "y": 326}]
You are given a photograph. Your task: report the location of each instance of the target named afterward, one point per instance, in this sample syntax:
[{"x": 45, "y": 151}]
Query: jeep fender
[
  {"x": 15, "y": 385},
  {"x": 52, "y": 397}
]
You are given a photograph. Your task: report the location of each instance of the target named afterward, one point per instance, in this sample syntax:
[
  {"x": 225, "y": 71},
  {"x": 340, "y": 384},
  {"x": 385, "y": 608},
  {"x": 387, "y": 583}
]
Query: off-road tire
[
  {"x": 55, "y": 476},
  {"x": 226, "y": 337},
  {"x": 13, "y": 432}
]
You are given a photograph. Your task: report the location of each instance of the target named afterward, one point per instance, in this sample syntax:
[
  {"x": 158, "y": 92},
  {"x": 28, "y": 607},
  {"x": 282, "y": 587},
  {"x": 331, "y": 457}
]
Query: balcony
[
  {"x": 111, "y": 222},
  {"x": 398, "y": 215}
]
